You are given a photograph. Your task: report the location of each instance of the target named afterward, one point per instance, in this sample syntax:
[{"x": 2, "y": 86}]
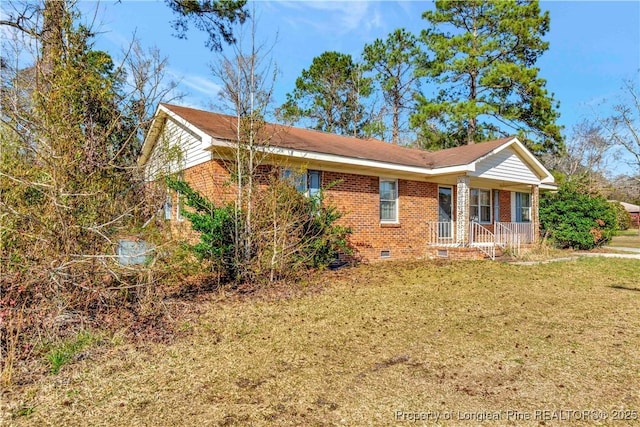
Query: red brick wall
[
  {"x": 211, "y": 179},
  {"x": 505, "y": 206},
  {"x": 357, "y": 196}
]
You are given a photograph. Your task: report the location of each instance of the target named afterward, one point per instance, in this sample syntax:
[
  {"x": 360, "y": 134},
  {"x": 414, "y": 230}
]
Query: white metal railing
[
  {"x": 523, "y": 230},
  {"x": 441, "y": 233},
  {"x": 506, "y": 238},
  {"x": 505, "y": 234},
  {"x": 483, "y": 239}
]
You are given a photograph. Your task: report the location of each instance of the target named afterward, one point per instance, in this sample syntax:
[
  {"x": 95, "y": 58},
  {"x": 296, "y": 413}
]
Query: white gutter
[{"x": 351, "y": 161}]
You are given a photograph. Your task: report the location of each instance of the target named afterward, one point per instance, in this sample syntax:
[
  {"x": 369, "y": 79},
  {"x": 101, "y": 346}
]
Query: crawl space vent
[
  {"x": 385, "y": 254},
  {"x": 443, "y": 253}
]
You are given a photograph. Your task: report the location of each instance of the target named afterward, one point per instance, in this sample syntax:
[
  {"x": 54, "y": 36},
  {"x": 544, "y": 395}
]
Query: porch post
[
  {"x": 535, "y": 214},
  {"x": 462, "y": 210}
]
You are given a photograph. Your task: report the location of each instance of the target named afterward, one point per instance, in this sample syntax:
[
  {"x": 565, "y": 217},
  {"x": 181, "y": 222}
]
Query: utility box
[{"x": 134, "y": 252}]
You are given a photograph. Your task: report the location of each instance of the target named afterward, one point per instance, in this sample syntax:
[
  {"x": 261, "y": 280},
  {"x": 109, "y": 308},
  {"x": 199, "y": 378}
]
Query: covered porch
[{"x": 486, "y": 214}]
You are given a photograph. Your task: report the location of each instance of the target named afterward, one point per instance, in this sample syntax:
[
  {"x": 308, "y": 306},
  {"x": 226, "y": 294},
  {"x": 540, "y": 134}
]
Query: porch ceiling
[
  {"x": 495, "y": 184},
  {"x": 474, "y": 182}
]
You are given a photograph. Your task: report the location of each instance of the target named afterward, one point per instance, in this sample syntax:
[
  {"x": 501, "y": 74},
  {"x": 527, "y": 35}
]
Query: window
[
  {"x": 480, "y": 205},
  {"x": 179, "y": 216},
  {"x": 315, "y": 182},
  {"x": 523, "y": 207},
  {"x": 168, "y": 208},
  {"x": 308, "y": 183},
  {"x": 388, "y": 200},
  {"x": 298, "y": 180}
]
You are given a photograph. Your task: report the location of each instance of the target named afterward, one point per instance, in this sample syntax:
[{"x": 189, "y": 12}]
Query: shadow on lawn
[{"x": 626, "y": 288}]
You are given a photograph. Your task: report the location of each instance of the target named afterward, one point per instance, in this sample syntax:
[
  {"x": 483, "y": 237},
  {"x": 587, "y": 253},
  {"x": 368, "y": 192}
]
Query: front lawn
[
  {"x": 627, "y": 238},
  {"x": 376, "y": 345}
]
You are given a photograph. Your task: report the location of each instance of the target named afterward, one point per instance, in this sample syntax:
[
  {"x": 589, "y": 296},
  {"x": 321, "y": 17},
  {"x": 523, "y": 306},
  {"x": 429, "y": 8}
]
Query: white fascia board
[
  {"x": 548, "y": 186},
  {"x": 151, "y": 137},
  {"x": 203, "y": 135},
  {"x": 352, "y": 161}
]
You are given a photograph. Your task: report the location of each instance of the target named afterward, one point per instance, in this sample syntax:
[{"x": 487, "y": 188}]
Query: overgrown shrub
[
  {"x": 290, "y": 232},
  {"x": 69, "y": 186},
  {"x": 623, "y": 219},
  {"x": 572, "y": 219},
  {"x": 215, "y": 226}
]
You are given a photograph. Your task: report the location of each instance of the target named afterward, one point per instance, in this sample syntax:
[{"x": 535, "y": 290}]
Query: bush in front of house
[
  {"x": 283, "y": 233},
  {"x": 572, "y": 219},
  {"x": 623, "y": 219}
]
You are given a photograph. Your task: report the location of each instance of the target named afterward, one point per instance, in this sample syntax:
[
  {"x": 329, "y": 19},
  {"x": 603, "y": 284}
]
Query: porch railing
[
  {"x": 523, "y": 231},
  {"x": 483, "y": 239},
  {"x": 441, "y": 233},
  {"x": 506, "y": 238},
  {"x": 505, "y": 234}
]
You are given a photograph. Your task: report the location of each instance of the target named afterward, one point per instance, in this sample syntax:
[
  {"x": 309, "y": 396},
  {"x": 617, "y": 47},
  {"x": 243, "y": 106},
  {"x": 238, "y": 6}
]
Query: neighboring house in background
[
  {"x": 634, "y": 213},
  {"x": 400, "y": 202}
]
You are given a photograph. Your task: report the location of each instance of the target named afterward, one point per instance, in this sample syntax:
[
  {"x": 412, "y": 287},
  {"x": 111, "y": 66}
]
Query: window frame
[
  {"x": 302, "y": 180},
  {"x": 479, "y": 206},
  {"x": 313, "y": 192},
  {"x": 396, "y": 201},
  {"x": 168, "y": 207},
  {"x": 517, "y": 217}
]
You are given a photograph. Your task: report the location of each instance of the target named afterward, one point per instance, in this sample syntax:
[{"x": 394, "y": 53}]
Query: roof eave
[{"x": 344, "y": 160}]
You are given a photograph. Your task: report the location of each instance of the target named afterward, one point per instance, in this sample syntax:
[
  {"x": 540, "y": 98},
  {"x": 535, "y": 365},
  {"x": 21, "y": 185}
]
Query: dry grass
[
  {"x": 469, "y": 336},
  {"x": 627, "y": 238}
]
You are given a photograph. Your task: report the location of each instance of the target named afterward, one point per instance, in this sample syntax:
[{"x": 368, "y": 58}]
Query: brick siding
[
  {"x": 358, "y": 198},
  {"x": 504, "y": 198}
]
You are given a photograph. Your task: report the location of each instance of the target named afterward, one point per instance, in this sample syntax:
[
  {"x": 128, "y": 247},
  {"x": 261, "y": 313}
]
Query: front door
[{"x": 445, "y": 209}]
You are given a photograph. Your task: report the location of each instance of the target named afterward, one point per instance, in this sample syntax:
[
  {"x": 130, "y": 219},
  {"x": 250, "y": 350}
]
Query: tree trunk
[
  {"x": 52, "y": 34},
  {"x": 396, "y": 119},
  {"x": 473, "y": 125}
]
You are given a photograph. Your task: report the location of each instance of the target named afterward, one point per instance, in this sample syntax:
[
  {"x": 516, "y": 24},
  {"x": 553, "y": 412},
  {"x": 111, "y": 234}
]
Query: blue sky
[{"x": 594, "y": 45}]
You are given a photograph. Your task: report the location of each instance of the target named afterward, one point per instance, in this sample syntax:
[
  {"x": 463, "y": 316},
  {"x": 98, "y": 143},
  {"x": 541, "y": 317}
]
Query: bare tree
[
  {"x": 624, "y": 126},
  {"x": 585, "y": 160},
  {"x": 247, "y": 76}
]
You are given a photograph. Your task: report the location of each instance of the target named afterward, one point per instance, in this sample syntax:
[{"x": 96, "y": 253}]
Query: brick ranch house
[
  {"x": 634, "y": 213},
  {"x": 401, "y": 203}
]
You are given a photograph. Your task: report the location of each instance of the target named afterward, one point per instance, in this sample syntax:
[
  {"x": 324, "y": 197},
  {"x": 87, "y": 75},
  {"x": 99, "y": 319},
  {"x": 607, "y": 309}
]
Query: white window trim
[
  {"x": 490, "y": 221},
  {"x": 397, "y": 200},
  {"x": 168, "y": 207}
]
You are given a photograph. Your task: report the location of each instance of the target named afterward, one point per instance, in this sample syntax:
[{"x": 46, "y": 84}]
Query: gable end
[{"x": 506, "y": 165}]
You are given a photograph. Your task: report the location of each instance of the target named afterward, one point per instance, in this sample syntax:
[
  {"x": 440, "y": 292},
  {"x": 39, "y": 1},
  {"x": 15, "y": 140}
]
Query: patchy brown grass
[
  {"x": 422, "y": 336},
  {"x": 627, "y": 238}
]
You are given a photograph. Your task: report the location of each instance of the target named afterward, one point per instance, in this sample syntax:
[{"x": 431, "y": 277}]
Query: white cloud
[
  {"x": 200, "y": 84},
  {"x": 333, "y": 17}
]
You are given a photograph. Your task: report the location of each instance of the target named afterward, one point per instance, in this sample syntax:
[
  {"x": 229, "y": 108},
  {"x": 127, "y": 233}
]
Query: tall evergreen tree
[
  {"x": 214, "y": 17},
  {"x": 330, "y": 94},
  {"x": 484, "y": 57},
  {"x": 393, "y": 62}
]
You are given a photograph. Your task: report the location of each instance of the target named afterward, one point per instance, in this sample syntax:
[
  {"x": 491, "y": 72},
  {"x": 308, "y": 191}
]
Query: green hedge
[{"x": 571, "y": 219}]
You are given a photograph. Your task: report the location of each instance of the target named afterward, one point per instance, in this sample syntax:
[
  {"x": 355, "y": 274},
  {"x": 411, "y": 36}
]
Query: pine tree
[
  {"x": 484, "y": 59},
  {"x": 330, "y": 94},
  {"x": 393, "y": 62}
]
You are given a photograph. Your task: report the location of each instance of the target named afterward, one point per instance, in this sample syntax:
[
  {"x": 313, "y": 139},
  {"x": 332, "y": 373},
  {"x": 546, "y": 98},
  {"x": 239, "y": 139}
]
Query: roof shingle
[{"x": 221, "y": 126}]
